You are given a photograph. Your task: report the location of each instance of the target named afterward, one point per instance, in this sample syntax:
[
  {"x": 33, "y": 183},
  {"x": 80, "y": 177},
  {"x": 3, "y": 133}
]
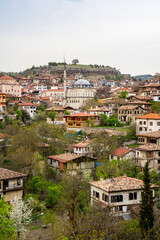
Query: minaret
[{"x": 64, "y": 82}]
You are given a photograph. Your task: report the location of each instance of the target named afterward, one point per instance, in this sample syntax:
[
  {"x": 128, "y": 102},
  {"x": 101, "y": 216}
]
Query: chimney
[{"x": 101, "y": 178}]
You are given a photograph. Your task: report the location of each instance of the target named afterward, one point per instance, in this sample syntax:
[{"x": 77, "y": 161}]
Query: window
[
  {"x": 151, "y": 123},
  {"x": 158, "y": 123},
  {"x": 132, "y": 196},
  {"x": 105, "y": 197},
  {"x": 95, "y": 194},
  {"x": 117, "y": 198},
  {"x": 144, "y": 122},
  {"x": 140, "y": 123},
  {"x": 140, "y": 129},
  {"x": 120, "y": 208},
  {"x": 158, "y": 154}
]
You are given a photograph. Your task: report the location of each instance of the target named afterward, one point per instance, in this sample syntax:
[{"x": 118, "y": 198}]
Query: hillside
[{"x": 89, "y": 70}]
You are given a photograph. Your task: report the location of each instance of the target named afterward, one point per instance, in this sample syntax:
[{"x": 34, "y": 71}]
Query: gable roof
[
  {"x": 149, "y": 116},
  {"x": 122, "y": 183},
  {"x": 121, "y": 151},
  {"x": 81, "y": 114},
  {"x": 9, "y": 174},
  {"x": 82, "y": 144},
  {"x": 65, "y": 157},
  {"x": 155, "y": 134},
  {"x": 148, "y": 147},
  {"x": 128, "y": 107}
]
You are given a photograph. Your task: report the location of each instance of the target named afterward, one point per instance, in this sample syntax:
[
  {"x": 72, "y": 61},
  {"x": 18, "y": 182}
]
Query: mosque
[{"x": 79, "y": 93}]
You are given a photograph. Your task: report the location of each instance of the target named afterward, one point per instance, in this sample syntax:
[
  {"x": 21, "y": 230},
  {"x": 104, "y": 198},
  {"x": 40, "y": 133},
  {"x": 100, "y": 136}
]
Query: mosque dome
[{"x": 82, "y": 82}]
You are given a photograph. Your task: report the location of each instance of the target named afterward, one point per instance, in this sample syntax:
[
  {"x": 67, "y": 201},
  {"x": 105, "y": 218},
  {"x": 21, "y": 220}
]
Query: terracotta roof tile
[
  {"x": 9, "y": 174},
  {"x": 6, "y": 78},
  {"x": 65, "y": 157},
  {"x": 120, "y": 152},
  {"x": 81, "y": 114},
  {"x": 149, "y": 116},
  {"x": 120, "y": 184}
]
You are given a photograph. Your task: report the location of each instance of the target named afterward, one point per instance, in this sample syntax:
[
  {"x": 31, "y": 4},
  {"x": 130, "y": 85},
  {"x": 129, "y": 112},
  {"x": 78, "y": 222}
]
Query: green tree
[
  {"x": 146, "y": 221},
  {"x": 52, "y": 115},
  {"x": 123, "y": 94},
  {"x": 7, "y": 231},
  {"x": 19, "y": 114}
]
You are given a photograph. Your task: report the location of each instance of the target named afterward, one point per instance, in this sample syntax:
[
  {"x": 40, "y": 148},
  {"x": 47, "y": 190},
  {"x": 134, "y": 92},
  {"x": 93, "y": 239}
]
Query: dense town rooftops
[
  {"x": 149, "y": 116},
  {"x": 9, "y": 174},
  {"x": 65, "y": 157},
  {"x": 120, "y": 152},
  {"x": 122, "y": 183}
]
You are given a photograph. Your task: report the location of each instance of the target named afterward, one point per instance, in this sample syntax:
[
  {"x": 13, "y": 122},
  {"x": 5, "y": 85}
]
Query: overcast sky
[{"x": 124, "y": 34}]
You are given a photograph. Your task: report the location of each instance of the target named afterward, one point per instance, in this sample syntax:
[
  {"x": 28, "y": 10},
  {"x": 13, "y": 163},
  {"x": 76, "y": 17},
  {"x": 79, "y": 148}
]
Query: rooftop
[
  {"x": 82, "y": 144},
  {"x": 120, "y": 152},
  {"x": 155, "y": 134},
  {"x": 82, "y": 114},
  {"x": 9, "y": 174},
  {"x": 6, "y": 78},
  {"x": 149, "y": 116},
  {"x": 65, "y": 157},
  {"x": 128, "y": 107},
  {"x": 122, "y": 183},
  {"x": 148, "y": 147}
]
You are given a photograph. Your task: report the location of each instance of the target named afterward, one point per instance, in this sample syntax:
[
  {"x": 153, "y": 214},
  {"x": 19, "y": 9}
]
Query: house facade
[
  {"x": 129, "y": 113},
  {"x": 11, "y": 184},
  {"x": 83, "y": 148},
  {"x": 119, "y": 194},
  {"x": 146, "y": 138},
  {"x": 30, "y": 108},
  {"x": 2, "y": 102},
  {"x": 122, "y": 153},
  {"x": 71, "y": 162},
  {"x": 9, "y": 85},
  {"x": 148, "y": 153},
  {"x": 99, "y": 111},
  {"x": 79, "y": 120},
  {"x": 147, "y": 123}
]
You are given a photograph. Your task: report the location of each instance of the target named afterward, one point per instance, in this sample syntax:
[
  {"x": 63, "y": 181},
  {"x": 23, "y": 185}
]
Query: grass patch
[{"x": 133, "y": 145}]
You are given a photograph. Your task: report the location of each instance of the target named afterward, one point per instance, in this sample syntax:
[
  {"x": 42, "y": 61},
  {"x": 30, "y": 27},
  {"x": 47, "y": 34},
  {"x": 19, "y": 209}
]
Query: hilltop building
[{"x": 9, "y": 85}]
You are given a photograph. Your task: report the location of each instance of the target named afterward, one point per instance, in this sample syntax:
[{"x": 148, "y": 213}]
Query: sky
[{"x": 124, "y": 34}]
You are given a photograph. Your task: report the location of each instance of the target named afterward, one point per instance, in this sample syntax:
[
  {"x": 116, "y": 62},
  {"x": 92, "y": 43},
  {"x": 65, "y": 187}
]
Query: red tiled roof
[
  {"x": 149, "y": 116},
  {"x": 120, "y": 152},
  {"x": 26, "y": 104},
  {"x": 6, "y": 78},
  {"x": 81, "y": 114}
]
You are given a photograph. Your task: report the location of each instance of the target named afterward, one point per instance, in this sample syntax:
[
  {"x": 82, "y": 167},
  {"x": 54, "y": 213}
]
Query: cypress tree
[{"x": 146, "y": 222}]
